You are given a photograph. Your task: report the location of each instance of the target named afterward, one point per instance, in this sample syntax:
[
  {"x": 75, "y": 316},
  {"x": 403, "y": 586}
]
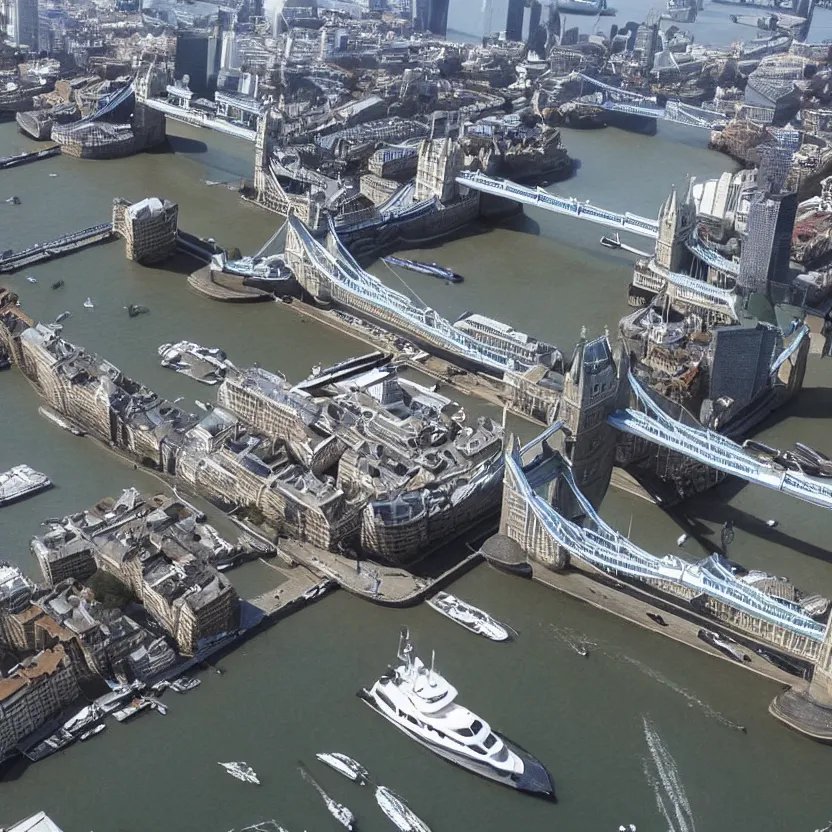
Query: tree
[{"x": 110, "y": 591}]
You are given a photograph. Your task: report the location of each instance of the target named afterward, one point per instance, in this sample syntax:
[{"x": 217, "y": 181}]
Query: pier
[
  {"x": 25, "y": 158},
  {"x": 41, "y": 252}
]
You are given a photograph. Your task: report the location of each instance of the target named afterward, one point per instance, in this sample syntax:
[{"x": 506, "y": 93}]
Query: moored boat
[
  {"x": 133, "y": 709},
  {"x": 20, "y": 482},
  {"x": 184, "y": 683},
  {"x": 725, "y": 645},
  {"x": 425, "y": 268},
  {"x": 92, "y": 732},
  {"x": 422, "y": 704},
  {"x": 351, "y": 769},
  {"x": 402, "y": 816},
  {"x": 468, "y": 616}
]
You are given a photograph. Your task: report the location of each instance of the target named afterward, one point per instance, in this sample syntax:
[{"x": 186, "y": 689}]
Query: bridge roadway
[
  {"x": 717, "y": 451},
  {"x": 633, "y": 223},
  {"x": 604, "y": 548},
  {"x": 63, "y": 245}
]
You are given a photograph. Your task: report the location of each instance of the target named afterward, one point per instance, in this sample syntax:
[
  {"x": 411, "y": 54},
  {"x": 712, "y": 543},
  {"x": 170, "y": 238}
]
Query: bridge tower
[
  {"x": 590, "y": 394},
  {"x": 675, "y": 224},
  {"x": 440, "y": 162}
]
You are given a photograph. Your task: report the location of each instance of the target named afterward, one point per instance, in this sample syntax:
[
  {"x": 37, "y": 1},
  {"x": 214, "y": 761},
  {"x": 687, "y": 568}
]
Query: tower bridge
[
  {"x": 530, "y": 520},
  {"x": 717, "y": 451},
  {"x": 645, "y": 226}
]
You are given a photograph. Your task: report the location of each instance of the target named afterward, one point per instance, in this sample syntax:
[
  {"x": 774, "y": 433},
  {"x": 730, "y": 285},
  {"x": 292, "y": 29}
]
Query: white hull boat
[
  {"x": 242, "y": 771},
  {"x": 351, "y": 769},
  {"x": 422, "y": 704},
  {"x": 20, "y": 482},
  {"x": 340, "y": 812},
  {"x": 472, "y": 618},
  {"x": 402, "y": 816},
  {"x": 93, "y": 732}
]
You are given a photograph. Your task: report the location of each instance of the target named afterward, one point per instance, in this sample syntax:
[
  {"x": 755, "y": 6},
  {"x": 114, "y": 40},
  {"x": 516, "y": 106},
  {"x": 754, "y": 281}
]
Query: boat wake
[
  {"x": 692, "y": 700},
  {"x": 263, "y": 826},
  {"x": 574, "y": 639},
  {"x": 663, "y": 777}
]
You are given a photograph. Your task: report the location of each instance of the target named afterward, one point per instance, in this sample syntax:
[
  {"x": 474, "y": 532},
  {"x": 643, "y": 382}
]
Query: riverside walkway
[{"x": 12, "y": 261}]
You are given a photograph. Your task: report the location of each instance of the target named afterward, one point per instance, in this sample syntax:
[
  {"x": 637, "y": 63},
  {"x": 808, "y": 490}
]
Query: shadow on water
[
  {"x": 521, "y": 223},
  {"x": 180, "y": 263},
  {"x": 181, "y": 144},
  {"x": 810, "y": 403}
]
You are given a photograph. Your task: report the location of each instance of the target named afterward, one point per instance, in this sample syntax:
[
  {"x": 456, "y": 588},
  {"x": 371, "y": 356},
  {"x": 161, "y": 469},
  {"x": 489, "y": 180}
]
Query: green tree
[{"x": 110, "y": 591}]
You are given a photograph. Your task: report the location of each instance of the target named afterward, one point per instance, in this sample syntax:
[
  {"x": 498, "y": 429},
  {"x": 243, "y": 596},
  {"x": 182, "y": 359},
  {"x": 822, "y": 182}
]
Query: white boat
[
  {"x": 89, "y": 304},
  {"x": 422, "y": 704},
  {"x": 403, "y": 817},
  {"x": 20, "y": 482},
  {"x": 93, "y": 732},
  {"x": 242, "y": 771},
  {"x": 62, "y": 317},
  {"x": 83, "y": 719},
  {"x": 351, "y": 769},
  {"x": 184, "y": 684},
  {"x": 131, "y": 710},
  {"x": 340, "y": 812},
  {"x": 158, "y": 706},
  {"x": 470, "y": 617},
  {"x": 207, "y": 365},
  {"x": 318, "y": 590},
  {"x": 32, "y": 279}
]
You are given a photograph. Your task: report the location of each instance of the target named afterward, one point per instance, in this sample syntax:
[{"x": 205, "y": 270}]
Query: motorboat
[
  {"x": 83, "y": 719},
  {"x": 319, "y": 589},
  {"x": 340, "y": 812},
  {"x": 580, "y": 649},
  {"x": 20, "y": 482},
  {"x": 351, "y": 769},
  {"x": 31, "y": 279},
  {"x": 725, "y": 645},
  {"x": 88, "y": 304},
  {"x": 134, "y": 310},
  {"x": 184, "y": 684},
  {"x": 158, "y": 705},
  {"x": 133, "y": 709},
  {"x": 468, "y": 616},
  {"x": 402, "y": 816},
  {"x": 13, "y": 200},
  {"x": 63, "y": 316},
  {"x": 653, "y": 616},
  {"x": 682, "y": 539},
  {"x": 422, "y": 704},
  {"x": 242, "y": 771},
  {"x": 57, "y": 284},
  {"x": 93, "y": 732}
]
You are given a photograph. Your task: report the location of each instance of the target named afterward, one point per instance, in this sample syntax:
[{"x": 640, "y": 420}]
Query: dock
[
  {"x": 290, "y": 595},
  {"x": 225, "y": 288},
  {"x": 13, "y": 261}
]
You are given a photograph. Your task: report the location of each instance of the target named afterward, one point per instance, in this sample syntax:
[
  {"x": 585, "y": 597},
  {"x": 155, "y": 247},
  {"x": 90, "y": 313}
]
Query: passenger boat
[
  {"x": 402, "y": 816},
  {"x": 340, "y": 812},
  {"x": 242, "y": 771},
  {"x": 129, "y": 711},
  {"x": 20, "y": 482},
  {"x": 204, "y": 364},
  {"x": 351, "y": 769},
  {"x": 725, "y": 645},
  {"x": 425, "y": 268},
  {"x": 93, "y": 732},
  {"x": 422, "y": 704},
  {"x": 470, "y": 617}
]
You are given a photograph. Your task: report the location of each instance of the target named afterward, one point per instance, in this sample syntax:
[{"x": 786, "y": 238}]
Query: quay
[
  {"x": 25, "y": 158},
  {"x": 225, "y": 288},
  {"x": 13, "y": 261}
]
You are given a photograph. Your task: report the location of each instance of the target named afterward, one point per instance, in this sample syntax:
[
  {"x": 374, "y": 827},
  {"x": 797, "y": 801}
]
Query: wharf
[
  {"x": 632, "y": 604},
  {"x": 387, "y": 585},
  {"x": 13, "y": 261},
  {"x": 225, "y": 288},
  {"x": 289, "y": 595}
]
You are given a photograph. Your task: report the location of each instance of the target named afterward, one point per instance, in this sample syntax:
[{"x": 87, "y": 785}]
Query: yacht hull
[{"x": 534, "y": 780}]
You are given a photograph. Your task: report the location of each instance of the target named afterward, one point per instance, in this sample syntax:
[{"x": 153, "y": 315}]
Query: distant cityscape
[{"x": 370, "y": 132}]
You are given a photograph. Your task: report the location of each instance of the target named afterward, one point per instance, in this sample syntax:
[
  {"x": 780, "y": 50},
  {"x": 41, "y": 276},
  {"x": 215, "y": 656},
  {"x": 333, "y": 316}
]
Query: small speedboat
[
  {"x": 340, "y": 812},
  {"x": 92, "y": 732},
  {"x": 580, "y": 649},
  {"x": 402, "y": 816},
  {"x": 52, "y": 175},
  {"x": 62, "y": 317},
  {"x": 683, "y": 538},
  {"x": 57, "y": 284},
  {"x": 13, "y": 200},
  {"x": 351, "y": 769},
  {"x": 134, "y": 310},
  {"x": 772, "y": 524},
  {"x": 89, "y": 304},
  {"x": 242, "y": 771},
  {"x": 31, "y": 279},
  {"x": 657, "y": 618},
  {"x": 468, "y": 616}
]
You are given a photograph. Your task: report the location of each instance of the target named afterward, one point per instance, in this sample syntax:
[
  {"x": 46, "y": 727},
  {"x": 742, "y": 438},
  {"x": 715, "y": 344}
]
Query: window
[
  {"x": 490, "y": 741},
  {"x": 476, "y": 726}
]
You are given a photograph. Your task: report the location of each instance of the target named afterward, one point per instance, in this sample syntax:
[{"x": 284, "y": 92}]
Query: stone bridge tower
[
  {"x": 676, "y": 221},
  {"x": 590, "y": 394}
]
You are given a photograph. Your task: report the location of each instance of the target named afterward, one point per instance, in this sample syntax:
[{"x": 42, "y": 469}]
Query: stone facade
[{"x": 149, "y": 228}]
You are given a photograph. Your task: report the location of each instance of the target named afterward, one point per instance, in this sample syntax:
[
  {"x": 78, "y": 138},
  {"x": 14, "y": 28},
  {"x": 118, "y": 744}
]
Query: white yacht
[
  {"x": 422, "y": 704},
  {"x": 242, "y": 771},
  {"x": 340, "y": 812},
  {"x": 472, "y": 618},
  {"x": 402, "y": 816},
  {"x": 93, "y": 732},
  {"x": 21, "y": 481},
  {"x": 351, "y": 769},
  {"x": 207, "y": 365}
]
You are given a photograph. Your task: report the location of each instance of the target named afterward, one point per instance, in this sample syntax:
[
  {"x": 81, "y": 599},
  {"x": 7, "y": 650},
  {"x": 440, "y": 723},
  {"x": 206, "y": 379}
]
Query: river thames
[{"x": 290, "y": 692}]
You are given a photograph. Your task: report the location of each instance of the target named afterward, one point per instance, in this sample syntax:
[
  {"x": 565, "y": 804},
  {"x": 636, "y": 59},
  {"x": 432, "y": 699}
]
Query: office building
[
  {"x": 21, "y": 23},
  {"x": 197, "y": 56},
  {"x": 767, "y": 245},
  {"x": 514, "y": 19}
]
